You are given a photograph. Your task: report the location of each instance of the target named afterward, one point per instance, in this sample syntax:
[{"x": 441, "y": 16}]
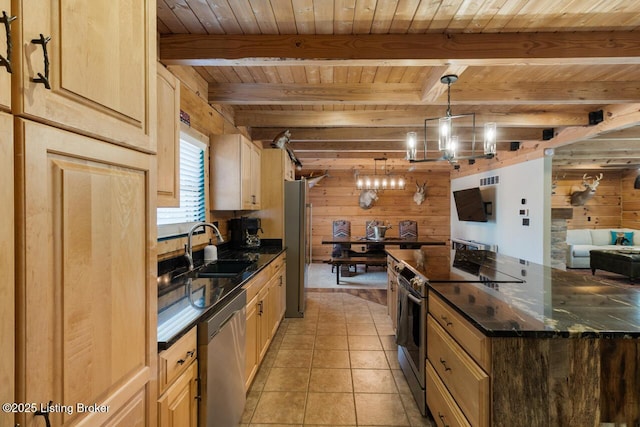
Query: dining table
[
  {"x": 348, "y": 257},
  {"x": 385, "y": 241}
]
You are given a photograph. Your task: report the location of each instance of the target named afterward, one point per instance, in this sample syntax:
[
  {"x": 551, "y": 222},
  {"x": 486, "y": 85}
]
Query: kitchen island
[{"x": 513, "y": 343}]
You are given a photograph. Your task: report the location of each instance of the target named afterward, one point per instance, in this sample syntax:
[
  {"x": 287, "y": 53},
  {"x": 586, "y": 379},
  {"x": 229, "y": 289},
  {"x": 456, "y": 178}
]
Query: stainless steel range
[{"x": 411, "y": 335}]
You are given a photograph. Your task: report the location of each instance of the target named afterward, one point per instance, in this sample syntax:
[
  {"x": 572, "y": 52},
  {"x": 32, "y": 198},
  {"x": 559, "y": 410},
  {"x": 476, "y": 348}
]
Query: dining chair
[
  {"x": 341, "y": 228},
  {"x": 408, "y": 229}
]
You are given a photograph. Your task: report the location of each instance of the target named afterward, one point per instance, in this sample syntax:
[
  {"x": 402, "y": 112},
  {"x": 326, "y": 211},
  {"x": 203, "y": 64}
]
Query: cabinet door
[
  {"x": 246, "y": 185},
  {"x": 178, "y": 406},
  {"x": 5, "y": 76},
  {"x": 7, "y": 319},
  {"x": 168, "y": 139},
  {"x": 255, "y": 177},
  {"x": 86, "y": 274},
  {"x": 251, "y": 348},
  {"x": 101, "y": 72},
  {"x": 265, "y": 326}
]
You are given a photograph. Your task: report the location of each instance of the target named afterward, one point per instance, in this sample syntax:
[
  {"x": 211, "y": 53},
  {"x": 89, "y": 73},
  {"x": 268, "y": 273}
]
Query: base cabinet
[
  {"x": 178, "y": 407},
  {"x": 7, "y": 316},
  {"x": 265, "y": 310},
  {"x": 85, "y": 277}
]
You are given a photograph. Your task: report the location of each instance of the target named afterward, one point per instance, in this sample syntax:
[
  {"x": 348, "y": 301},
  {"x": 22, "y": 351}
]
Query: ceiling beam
[
  {"x": 475, "y": 49},
  {"x": 512, "y": 93},
  {"x": 393, "y": 118},
  {"x": 367, "y": 134}
]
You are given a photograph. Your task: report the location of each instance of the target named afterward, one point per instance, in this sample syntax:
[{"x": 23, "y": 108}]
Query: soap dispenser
[{"x": 210, "y": 253}]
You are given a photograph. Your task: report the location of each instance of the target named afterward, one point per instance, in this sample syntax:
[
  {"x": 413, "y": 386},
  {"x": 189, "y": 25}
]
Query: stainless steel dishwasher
[{"x": 221, "y": 360}]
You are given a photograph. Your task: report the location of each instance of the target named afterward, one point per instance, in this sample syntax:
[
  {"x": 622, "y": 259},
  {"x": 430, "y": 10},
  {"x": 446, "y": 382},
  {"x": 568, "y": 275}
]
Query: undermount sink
[{"x": 223, "y": 268}]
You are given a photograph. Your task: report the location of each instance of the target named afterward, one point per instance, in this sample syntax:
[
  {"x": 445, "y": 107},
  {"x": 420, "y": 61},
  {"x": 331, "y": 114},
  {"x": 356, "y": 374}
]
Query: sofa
[{"x": 581, "y": 241}]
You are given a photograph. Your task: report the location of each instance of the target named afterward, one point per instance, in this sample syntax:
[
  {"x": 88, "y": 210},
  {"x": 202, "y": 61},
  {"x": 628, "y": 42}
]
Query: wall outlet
[{"x": 525, "y": 221}]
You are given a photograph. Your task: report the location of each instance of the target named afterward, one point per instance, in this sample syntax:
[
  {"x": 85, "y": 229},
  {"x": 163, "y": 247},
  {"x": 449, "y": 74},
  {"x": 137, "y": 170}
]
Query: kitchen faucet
[{"x": 188, "y": 249}]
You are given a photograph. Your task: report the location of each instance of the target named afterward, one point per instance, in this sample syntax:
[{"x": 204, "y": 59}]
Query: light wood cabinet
[
  {"x": 5, "y": 76},
  {"x": 7, "y": 317},
  {"x": 276, "y": 169},
  {"x": 178, "y": 407},
  {"x": 101, "y": 67},
  {"x": 458, "y": 368},
  {"x": 85, "y": 277},
  {"x": 178, "y": 383},
  {"x": 252, "y": 356},
  {"x": 168, "y": 139},
  {"x": 235, "y": 173},
  {"x": 266, "y": 295}
]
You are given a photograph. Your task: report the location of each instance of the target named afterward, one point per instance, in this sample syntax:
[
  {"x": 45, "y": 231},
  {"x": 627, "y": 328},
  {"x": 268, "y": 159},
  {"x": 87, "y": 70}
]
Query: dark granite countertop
[
  {"x": 176, "y": 314},
  {"x": 505, "y": 296}
]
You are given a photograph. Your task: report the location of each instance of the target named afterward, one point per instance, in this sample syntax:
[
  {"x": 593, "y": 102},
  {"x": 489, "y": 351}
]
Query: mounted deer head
[
  {"x": 419, "y": 195},
  {"x": 579, "y": 198},
  {"x": 367, "y": 198}
]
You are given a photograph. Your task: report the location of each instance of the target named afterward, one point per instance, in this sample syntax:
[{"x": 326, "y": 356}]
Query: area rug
[
  {"x": 370, "y": 285},
  {"x": 321, "y": 276}
]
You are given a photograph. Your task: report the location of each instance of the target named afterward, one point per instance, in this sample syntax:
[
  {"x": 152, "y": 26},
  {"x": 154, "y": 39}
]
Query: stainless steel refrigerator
[{"x": 297, "y": 232}]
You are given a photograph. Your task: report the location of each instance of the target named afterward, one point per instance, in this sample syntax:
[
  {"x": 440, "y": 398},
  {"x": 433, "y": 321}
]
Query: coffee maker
[{"x": 244, "y": 232}]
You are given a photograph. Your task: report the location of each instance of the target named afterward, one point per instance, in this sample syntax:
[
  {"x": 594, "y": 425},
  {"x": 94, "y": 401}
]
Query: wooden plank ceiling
[{"x": 349, "y": 78}]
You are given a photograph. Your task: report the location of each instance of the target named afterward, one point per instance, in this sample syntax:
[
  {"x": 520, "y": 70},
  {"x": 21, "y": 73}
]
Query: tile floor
[{"x": 338, "y": 366}]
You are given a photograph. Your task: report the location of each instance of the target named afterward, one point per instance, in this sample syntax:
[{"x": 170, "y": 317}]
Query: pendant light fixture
[
  {"x": 376, "y": 182},
  {"x": 447, "y": 137}
]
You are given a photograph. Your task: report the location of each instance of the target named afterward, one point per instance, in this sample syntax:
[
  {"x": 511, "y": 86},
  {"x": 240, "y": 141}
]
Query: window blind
[{"x": 178, "y": 221}]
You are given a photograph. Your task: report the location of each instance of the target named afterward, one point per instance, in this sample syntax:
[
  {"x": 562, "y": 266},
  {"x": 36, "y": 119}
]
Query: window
[{"x": 173, "y": 222}]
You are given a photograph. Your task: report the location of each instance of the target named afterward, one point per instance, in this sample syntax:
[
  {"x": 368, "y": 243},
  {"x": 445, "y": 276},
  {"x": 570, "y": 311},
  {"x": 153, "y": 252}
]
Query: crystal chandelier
[
  {"x": 385, "y": 181},
  {"x": 448, "y": 140}
]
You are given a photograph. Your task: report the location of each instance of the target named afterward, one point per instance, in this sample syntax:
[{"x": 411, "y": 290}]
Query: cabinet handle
[
  {"x": 43, "y": 79},
  {"x": 446, "y": 320},
  {"x": 6, "y": 20},
  {"x": 44, "y": 414},
  {"x": 191, "y": 353},
  {"x": 444, "y": 363},
  {"x": 281, "y": 281},
  {"x": 181, "y": 362},
  {"x": 260, "y": 310},
  {"x": 444, "y": 424}
]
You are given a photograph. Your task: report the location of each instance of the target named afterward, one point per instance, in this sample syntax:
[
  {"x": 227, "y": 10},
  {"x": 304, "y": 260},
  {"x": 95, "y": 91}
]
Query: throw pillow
[{"x": 622, "y": 238}]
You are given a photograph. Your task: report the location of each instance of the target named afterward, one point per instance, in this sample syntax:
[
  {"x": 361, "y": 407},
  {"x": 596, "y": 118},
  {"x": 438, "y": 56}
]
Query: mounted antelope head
[
  {"x": 579, "y": 198},
  {"x": 419, "y": 195}
]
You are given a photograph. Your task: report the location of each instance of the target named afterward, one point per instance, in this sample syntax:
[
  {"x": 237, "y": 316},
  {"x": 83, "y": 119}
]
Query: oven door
[{"x": 411, "y": 333}]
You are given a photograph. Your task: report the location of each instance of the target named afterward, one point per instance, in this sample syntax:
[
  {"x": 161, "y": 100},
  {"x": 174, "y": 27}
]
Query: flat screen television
[{"x": 470, "y": 205}]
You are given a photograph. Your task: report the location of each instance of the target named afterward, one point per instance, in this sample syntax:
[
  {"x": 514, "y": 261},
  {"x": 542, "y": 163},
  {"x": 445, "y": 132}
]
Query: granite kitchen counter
[
  {"x": 505, "y": 296},
  {"x": 177, "y": 314}
]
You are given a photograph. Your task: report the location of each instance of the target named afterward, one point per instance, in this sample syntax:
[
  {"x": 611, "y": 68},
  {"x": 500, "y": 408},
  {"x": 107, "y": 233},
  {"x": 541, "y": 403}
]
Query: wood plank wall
[
  {"x": 603, "y": 210},
  {"x": 336, "y": 197}
]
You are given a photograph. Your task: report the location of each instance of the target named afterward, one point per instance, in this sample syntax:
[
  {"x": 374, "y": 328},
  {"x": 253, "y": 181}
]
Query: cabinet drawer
[
  {"x": 441, "y": 404},
  {"x": 278, "y": 263},
  {"x": 467, "y": 383},
  {"x": 257, "y": 283},
  {"x": 176, "y": 359},
  {"x": 472, "y": 340}
]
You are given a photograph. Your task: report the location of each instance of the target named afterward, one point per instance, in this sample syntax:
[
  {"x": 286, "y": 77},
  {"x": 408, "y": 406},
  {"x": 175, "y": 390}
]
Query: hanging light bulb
[
  {"x": 490, "y": 138},
  {"x": 412, "y": 141},
  {"x": 444, "y": 134}
]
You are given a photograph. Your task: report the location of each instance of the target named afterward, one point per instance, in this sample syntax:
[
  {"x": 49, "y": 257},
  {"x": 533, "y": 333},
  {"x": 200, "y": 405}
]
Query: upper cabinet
[
  {"x": 6, "y": 20},
  {"x": 168, "y": 139},
  {"x": 88, "y": 66},
  {"x": 235, "y": 173}
]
